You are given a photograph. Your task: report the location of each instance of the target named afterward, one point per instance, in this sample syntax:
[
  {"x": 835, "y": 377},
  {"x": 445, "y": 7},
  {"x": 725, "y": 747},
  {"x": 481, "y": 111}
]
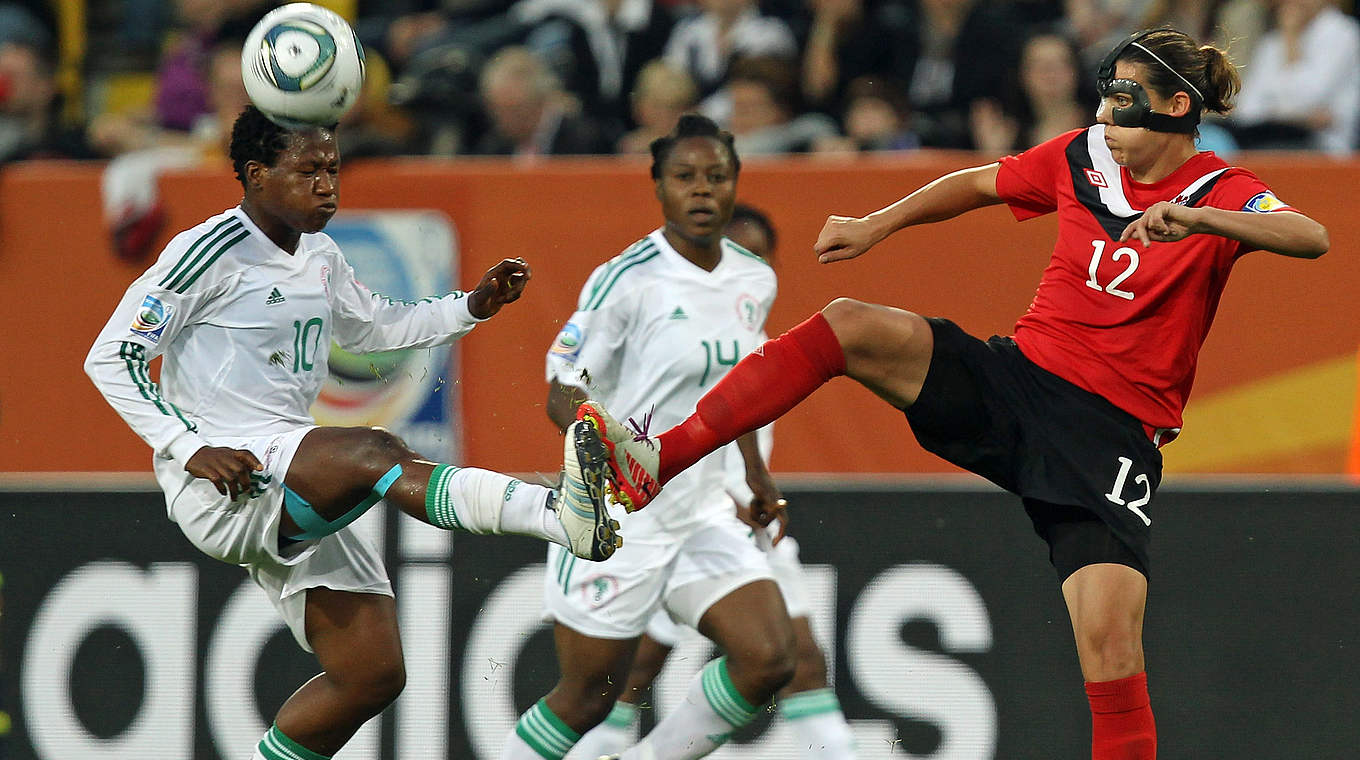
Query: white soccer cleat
[
  {"x": 634, "y": 458},
  {"x": 580, "y": 503}
]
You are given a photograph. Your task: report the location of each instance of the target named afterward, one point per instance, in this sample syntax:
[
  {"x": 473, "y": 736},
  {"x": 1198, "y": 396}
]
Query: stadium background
[{"x": 948, "y": 636}]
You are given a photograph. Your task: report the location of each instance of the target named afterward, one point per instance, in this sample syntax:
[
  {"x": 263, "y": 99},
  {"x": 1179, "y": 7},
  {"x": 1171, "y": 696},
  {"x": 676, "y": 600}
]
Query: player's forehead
[
  {"x": 699, "y": 153},
  {"x": 310, "y": 146},
  {"x": 1135, "y": 72}
]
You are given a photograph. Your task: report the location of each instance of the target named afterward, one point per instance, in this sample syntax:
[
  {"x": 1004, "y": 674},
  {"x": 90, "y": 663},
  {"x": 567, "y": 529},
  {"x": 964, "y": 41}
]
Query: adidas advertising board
[{"x": 945, "y": 626}]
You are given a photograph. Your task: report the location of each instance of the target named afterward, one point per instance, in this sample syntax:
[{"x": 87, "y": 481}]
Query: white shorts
[
  {"x": 787, "y": 572},
  {"x": 246, "y": 532},
  {"x": 684, "y": 577}
]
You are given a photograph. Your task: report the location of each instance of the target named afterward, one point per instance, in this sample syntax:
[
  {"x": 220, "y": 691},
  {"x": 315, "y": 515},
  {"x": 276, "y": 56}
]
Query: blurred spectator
[
  {"x": 374, "y": 126},
  {"x": 764, "y": 97},
  {"x": 142, "y": 150},
  {"x": 1099, "y": 25},
  {"x": 29, "y": 123},
  {"x": 1047, "y": 100},
  {"x": 401, "y": 29},
  {"x": 182, "y": 76},
  {"x": 27, "y": 22},
  {"x": 948, "y": 52},
  {"x": 661, "y": 95},
  {"x": 1302, "y": 89},
  {"x": 705, "y": 45},
  {"x": 530, "y": 114},
  {"x": 1231, "y": 25},
  {"x": 876, "y": 117},
  {"x": 597, "y": 48}
]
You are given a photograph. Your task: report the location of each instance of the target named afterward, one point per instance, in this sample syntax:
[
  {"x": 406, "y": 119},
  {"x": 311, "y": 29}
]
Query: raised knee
[
  {"x": 843, "y": 313},
  {"x": 378, "y": 448}
]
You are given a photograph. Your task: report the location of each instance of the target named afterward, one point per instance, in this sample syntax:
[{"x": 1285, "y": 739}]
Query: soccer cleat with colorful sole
[
  {"x": 633, "y": 457},
  {"x": 580, "y": 503}
]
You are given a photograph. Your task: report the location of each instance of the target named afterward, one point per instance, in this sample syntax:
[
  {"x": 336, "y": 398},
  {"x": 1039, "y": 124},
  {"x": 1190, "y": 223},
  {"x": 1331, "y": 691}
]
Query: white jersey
[
  {"x": 651, "y": 334},
  {"x": 245, "y": 329}
]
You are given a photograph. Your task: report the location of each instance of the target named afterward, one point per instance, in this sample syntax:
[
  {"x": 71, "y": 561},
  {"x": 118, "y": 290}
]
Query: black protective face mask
[{"x": 1140, "y": 113}]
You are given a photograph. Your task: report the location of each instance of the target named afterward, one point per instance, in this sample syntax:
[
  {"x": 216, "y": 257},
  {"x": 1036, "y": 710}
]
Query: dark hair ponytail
[
  {"x": 1204, "y": 66},
  {"x": 1221, "y": 79}
]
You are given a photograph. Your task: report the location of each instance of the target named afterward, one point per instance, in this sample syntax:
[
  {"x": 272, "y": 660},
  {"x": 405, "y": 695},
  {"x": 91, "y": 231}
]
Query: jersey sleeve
[
  {"x": 1241, "y": 190},
  {"x": 586, "y": 350},
  {"x": 1028, "y": 182},
  {"x": 152, "y": 312},
  {"x": 366, "y": 321}
]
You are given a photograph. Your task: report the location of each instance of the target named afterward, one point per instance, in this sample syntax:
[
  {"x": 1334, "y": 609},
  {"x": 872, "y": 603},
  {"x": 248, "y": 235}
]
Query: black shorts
[{"x": 1084, "y": 468}]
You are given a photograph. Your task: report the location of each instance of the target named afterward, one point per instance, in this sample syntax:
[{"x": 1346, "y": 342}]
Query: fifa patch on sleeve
[
  {"x": 1264, "y": 203},
  {"x": 151, "y": 318},
  {"x": 568, "y": 343}
]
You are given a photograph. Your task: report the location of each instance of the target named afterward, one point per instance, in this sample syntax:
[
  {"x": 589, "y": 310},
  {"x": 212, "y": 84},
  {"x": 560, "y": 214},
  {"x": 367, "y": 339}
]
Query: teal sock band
[
  {"x": 438, "y": 505},
  {"x": 545, "y": 733},
  {"x": 805, "y": 704},
  {"x": 314, "y": 525},
  {"x": 723, "y": 696},
  {"x": 622, "y": 716},
  {"x": 276, "y": 746}
]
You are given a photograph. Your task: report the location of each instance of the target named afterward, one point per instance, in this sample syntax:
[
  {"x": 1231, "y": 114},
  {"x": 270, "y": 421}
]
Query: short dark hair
[
  {"x": 741, "y": 212},
  {"x": 255, "y": 138},
  {"x": 691, "y": 125}
]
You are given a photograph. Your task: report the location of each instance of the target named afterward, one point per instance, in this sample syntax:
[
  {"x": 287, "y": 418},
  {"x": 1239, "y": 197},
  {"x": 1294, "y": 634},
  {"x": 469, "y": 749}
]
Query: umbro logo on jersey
[
  {"x": 275, "y": 297},
  {"x": 1096, "y": 178},
  {"x": 679, "y": 313}
]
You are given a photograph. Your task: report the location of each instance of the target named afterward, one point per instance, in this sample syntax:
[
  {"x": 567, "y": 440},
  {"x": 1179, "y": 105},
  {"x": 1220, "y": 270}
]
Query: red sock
[
  {"x": 756, "y": 392},
  {"x": 1121, "y": 719}
]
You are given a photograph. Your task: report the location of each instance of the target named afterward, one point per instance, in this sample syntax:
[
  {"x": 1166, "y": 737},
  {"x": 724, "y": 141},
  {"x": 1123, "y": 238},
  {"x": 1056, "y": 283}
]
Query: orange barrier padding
[
  {"x": 565, "y": 217},
  {"x": 1353, "y": 461}
]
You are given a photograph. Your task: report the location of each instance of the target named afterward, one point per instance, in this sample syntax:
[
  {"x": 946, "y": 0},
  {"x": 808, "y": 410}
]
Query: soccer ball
[{"x": 302, "y": 66}]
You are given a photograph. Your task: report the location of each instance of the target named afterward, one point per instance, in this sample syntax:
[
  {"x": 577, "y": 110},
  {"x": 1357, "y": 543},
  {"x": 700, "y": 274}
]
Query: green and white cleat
[
  {"x": 580, "y": 503},
  {"x": 634, "y": 458}
]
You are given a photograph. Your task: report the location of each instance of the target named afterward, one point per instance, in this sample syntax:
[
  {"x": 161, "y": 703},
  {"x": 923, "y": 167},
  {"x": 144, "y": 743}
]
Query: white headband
[{"x": 1173, "y": 71}]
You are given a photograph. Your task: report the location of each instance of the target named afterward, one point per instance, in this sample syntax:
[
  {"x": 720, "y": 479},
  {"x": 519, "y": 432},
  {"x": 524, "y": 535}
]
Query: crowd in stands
[{"x": 526, "y": 78}]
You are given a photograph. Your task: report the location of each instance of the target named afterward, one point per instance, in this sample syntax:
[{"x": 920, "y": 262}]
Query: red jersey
[{"x": 1117, "y": 319}]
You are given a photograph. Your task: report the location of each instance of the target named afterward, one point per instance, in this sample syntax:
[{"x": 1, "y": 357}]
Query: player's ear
[
  {"x": 1181, "y": 104},
  {"x": 255, "y": 173}
]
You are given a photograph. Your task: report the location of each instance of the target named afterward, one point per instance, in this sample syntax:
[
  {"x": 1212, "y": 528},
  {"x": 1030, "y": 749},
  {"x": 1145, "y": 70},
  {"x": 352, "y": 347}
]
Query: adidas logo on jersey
[
  {"x": 275, "y": 297},
  {"x": 679, "y": 313}
]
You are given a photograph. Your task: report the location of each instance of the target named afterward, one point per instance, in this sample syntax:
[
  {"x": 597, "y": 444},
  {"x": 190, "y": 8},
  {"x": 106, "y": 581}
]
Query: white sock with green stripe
[
  {"x": 617, "y": 733},
  {"x": 712, "y": 710},
  {"x": 276, "y": 746},
  {"x": 482, "y": 501},
  {"x": 539, "y": 735},
  {"x": 816, "y": 719}
]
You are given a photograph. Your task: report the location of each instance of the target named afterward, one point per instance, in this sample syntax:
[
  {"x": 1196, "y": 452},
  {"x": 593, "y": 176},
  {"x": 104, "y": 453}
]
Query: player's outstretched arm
[
  {"x": 502, "y": 284},
  {"x": 1287, "y": 233},
  {"x": 846, "y": 237}
]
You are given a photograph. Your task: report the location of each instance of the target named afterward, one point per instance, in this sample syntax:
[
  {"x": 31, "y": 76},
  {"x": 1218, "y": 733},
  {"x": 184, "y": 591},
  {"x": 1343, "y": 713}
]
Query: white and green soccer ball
[{"x": 302, "y": 66}]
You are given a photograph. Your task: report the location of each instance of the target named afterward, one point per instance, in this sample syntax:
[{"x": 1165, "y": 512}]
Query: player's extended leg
[
  {"x": 1106, "y": 602},
  {"x": 356, "y": 641},
  {"x": 752, "y": 626},
  {"x": 618, "y": 730},
  {"x": 809, "y": 704},
  {"x": 885, "y": 349},
  {"x": 338, "y": 473},
  {"x": 593, "y": 674}
]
